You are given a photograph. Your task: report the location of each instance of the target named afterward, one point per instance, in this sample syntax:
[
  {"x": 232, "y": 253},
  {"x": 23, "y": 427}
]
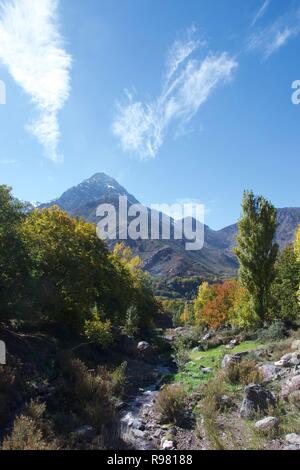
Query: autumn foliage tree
[{"x": 216, "y": 310}]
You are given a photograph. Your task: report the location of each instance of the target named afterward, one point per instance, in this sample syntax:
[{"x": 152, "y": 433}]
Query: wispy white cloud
[
  {"x": 189, "y": 81},
  {"x": 32, "y": 49},
  {"x": 260, "y": 13},
  {"x": 273, "y": 37}
]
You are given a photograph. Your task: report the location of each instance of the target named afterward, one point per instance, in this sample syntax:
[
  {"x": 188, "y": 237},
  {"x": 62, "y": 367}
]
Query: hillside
[{"x": 168, "y": 258}]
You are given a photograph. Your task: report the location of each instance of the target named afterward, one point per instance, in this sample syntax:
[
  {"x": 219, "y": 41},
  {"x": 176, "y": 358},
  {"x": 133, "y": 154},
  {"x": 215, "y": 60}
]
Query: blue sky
[{"x": 178, "y": 100}]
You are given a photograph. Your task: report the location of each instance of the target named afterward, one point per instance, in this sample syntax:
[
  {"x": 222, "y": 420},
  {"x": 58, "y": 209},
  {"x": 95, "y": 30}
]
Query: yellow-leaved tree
[{"x": 205, "y": 293}]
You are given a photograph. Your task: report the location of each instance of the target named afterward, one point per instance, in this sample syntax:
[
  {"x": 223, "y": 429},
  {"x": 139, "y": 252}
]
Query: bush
[
  {"x": 181, "y": 353},
  {"x": 7, "y": 393},
  {"x": 89, "y": 397},
  {"x": 170, "y": 404},
  {"x": 244, "y": 372},
  {"x": 98, "y": 331},
  {"x": 275, "y": 332},
  {"x": 25, "y": 435},
  {"x": 209, "y": 407}
]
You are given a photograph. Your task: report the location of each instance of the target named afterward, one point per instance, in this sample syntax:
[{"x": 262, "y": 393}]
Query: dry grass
[
  {"x": 170, "y": 404},
  {"x": 244, "y": 373}
]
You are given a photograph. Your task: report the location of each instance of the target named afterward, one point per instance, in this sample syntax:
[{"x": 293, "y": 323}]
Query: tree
[
  {"x": 217, "y": 310},
  {"x": 285, "y": 286},
  {"x": 256, "y": 250},
  {"x": 72, "y": 270},
  {"x": 14, "y": 263},
  {"x": 205, "y": 293},
  {"x": 297, "y": 251}
]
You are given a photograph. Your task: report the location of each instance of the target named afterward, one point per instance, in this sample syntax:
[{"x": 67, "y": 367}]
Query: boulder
[
  {"x": 143, "y": 346},
  {"x": 207, "y": 337},
  {"x": 228, "y": 358},
  {"x": 270, "y": 372},
  {"x": 168, "y": 445},
  {"x": 267, "y": 424},
  {"x": 257, "y": 399},
  {"x": 205, "y": 370},
  {"x": 291, "y": 385},
  {"x": 296, "y": 344},
  {"x": 232, "y": 344},
  {"x": 289, "y": 359},
  {"x": 293, "y": 439}
]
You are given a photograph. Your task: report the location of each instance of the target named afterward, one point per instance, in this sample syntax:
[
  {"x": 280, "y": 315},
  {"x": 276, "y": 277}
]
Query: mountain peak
[{"x": 99, "y": 188}]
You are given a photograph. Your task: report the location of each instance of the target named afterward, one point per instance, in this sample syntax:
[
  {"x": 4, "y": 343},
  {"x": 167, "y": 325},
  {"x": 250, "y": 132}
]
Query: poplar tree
[{"x": 256, "y": 250}]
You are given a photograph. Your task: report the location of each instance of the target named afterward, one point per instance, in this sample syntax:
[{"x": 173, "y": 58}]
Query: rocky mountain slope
[{"x": 168, "y": 258}]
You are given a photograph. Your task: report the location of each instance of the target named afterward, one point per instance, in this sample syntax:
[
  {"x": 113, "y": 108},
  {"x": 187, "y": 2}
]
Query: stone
[
  {"x": 293, "y": 439},
  {"x": 232, "y": 344},
  {"x": 143, "y": 346},
  {"x": 291, "y": 447},
  {"x": 158, "y": 433},
  {"x": 289, "y": 359},
  {"x": 257, "y": 399},
  {"x": 196, "y": 349},
  {"x": 207, "y": 337},
  {"x": 270, "y": 372},
  {"x": 205, "y": 370},
  {"x": 228, "y": 358},
  {"x": 291, "y": 385},
  {"x": 138, "y": 433},
  {"x": 84, "y": 432},
  {"x": 267, "y": 424},
  {"x": 225, "y": 402},
  {"x": 296, "y": 344},
  {"x": 168, "y": 445}
]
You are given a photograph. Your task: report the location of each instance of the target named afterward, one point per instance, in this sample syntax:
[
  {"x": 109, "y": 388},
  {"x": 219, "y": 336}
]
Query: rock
[
  {"x": 157, "y": 434},
  {"x": 267, "y": 424},
  {"x": 256, "y": 400},
  {"x": 228, "y": 358},
  {"x": 84, "y": 432},
  {"x": 291, "y": 385},
  {"x": 232, "y": 344},
  {"x": 296, "y": 344},
  {"x": 289, "y": 359},
  {"x": 291, "y": 447},
  {"x": 225, "y": 402},
  {"x": 138, "y": 433},
  {"x": 196, "y": 349},
  {"x": 269, "y": 372},
  {"x": 168, "y": 445},
  {"x": 259, "y": 353},
  {"x": 143, "y": 346},
  {"x": 205, "y": 370},
  {"x": 293, "y": 439},
  {"x": 207, "y": 337}
]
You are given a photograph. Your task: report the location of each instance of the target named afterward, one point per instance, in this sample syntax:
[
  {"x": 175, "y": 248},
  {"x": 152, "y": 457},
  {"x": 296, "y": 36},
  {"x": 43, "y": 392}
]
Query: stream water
[{"x": 133, "y": 423}]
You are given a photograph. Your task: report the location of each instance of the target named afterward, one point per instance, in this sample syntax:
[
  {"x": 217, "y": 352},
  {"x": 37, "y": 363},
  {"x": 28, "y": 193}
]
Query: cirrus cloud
[
  {"x": 31, "y": 48},
  {"x": 189, "y": 81}
]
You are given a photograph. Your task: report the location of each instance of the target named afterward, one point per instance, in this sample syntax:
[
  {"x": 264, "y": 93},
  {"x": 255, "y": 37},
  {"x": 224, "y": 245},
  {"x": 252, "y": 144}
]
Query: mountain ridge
[{"x": 168, "y": 258}]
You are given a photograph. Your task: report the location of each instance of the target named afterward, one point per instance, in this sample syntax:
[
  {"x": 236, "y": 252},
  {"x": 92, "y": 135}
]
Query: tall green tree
[
  {"x": 297, "y": 251},
  {"x": 256, "y": 250},
  {"x": 13, "y": 257},
  {"x": 285, "y": 287}
]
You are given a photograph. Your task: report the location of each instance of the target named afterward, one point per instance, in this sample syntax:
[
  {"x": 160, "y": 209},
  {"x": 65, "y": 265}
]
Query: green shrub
[
  {"x": 98, "y": 331},
  {"x": 275, "y": 332},
  {"x": 170, "y": 403}
]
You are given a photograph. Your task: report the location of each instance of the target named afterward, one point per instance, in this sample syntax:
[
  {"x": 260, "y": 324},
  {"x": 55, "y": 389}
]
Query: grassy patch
[{"x": 191, "y": 375}]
